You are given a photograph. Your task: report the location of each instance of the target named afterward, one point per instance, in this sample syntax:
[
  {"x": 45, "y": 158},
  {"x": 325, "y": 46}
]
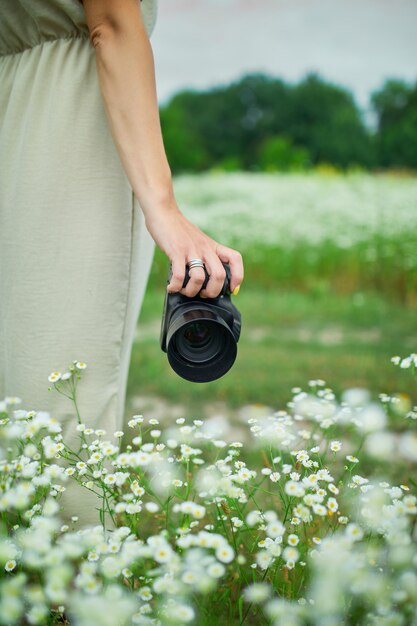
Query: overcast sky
[{"x": 356, "y": 43}]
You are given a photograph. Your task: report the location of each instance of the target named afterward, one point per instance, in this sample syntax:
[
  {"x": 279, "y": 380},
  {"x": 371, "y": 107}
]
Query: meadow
[
  {"x": 283, "y": 494},
  {"x": 330, "y": 286},
  {"x": 303, "y": 517}
]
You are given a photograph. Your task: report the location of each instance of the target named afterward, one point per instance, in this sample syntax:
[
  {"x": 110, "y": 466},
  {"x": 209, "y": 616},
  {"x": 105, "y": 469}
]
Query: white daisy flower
[
  {"x": 354, "y": 532},
  {"x": 145, "y": 593},
  {"x": 406, "y": 363},
  {"x": 163, "y": 554},
  {"x": 253, "y": 518},
  {"x": 293, "y": 488},
  {"x": 152, "y": 507},
  {"x": 310, "y": 480},
  {"x": 12, "y": 400},
  {"x": 108, "y": 448},
  {"x": 290, "y": 554},
  {"x": 237, "y": 522},
  {"x": 275, "y": 529},
  {"x": 183, "y": 612},
  {"x": 293, "y": 540},
  {"x": 275, "y": 476},
  {"x": 54, "y": 376},
  {"x": 10, "y": 565},
  {"x": 216, "y": 570},
  {"x": 324, "y": 474},
  {"x": 95, "y": 458},
  {"x": 257, "y": 592},
  {"x": 332, "y": 504},
  {"x": 263, "y": 559},
  {"x": 225, "y": 553},
  {"x": 359, "y": 480},
  {"x": 319, "y": 509}
]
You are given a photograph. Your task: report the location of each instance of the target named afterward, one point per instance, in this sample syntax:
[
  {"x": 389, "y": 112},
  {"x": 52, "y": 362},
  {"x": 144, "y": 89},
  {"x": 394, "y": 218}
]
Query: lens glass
[
  {"x": 201, "y": 349},
  {"x": 199, "y": 341},
  {"x": 197, "y": 334}
]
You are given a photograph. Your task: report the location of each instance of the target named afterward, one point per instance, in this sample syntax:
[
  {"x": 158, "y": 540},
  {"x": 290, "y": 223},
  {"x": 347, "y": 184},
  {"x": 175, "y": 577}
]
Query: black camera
[{"x": 200, "y": 335}]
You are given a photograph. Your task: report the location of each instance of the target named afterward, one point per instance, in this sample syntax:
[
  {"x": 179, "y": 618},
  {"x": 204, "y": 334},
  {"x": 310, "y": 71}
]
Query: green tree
[
  {"x": 230, "y": 126},
  {"x": 326, "y": 120},
  {"x": 395, "y": 105},
  {"x": 279, "y": 154},
  {"x": 184, "y": 148}
]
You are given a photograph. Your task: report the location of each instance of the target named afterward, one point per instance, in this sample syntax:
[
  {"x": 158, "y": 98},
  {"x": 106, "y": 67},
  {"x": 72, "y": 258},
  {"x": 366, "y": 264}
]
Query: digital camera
[{"x": 198, "y": 334}]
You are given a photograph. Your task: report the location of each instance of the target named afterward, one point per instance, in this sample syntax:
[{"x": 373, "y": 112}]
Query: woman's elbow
[{"x": 102, "y": 32}]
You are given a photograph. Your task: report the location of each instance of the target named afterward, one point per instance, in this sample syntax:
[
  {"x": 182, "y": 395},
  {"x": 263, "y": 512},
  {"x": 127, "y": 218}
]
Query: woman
[{"x": 85, "y": 191}]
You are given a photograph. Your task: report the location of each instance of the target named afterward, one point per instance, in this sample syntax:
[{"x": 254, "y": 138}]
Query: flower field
[
  {"x": 286, "y": 209},
  {"x": 338, "y": 232},
  {"x": 283, "y": 494},
  {"x": 330, "y": 288},
  {"x": 308, "y": 518}
]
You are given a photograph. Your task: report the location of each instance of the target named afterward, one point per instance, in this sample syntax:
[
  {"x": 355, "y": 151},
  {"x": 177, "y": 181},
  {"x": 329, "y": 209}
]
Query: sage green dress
[{"x": 74, "y": 251}]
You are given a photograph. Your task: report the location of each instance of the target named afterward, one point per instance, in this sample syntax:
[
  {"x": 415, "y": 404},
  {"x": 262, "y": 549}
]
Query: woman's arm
[{"x": 126, "y": 72}]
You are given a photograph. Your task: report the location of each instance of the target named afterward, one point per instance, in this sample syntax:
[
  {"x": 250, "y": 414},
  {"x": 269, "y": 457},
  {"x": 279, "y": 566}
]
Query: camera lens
[
  {"x": 200, "y": 345},
  {"x": 197, "y": 334},
  {"x": 199, "y": 342}
]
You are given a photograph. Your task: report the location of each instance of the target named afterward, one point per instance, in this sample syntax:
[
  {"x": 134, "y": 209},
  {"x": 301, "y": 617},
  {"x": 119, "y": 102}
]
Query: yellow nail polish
[{"x": 236, "y": 290}]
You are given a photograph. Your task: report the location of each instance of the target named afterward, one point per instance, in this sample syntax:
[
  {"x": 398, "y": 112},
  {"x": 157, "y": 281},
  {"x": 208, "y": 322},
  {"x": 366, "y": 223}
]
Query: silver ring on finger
[{"x": 195, "y": 263}]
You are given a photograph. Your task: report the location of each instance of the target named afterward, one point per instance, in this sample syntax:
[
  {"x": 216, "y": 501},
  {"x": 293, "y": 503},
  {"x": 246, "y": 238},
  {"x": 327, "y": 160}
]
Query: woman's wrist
[
  {"x": 158, "y": 201},
  {"x": 154, "y": 187}
]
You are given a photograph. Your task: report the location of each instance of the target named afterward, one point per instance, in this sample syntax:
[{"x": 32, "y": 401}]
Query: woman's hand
[{"x": 182, "y": 241}]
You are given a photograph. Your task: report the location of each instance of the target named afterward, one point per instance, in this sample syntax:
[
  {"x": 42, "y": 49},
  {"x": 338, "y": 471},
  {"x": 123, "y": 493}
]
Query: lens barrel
[{"x": 200, "y": 345}]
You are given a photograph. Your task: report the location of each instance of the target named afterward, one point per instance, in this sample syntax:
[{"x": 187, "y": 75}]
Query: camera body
[{"x": 198, "y": 334}]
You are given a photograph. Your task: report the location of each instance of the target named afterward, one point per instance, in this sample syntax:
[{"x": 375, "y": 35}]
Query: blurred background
[{"x": 291, "y": 131}]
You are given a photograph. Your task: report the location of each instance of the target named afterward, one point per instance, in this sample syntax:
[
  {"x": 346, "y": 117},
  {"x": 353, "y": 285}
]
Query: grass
[
  {"x": 287, "y": 338},
  {"x": 330, "y": 287}
]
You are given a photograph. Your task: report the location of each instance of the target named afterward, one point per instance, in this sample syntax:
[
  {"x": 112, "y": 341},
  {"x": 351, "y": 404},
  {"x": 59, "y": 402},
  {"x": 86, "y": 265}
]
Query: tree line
[{"x": 262, "y": 123}]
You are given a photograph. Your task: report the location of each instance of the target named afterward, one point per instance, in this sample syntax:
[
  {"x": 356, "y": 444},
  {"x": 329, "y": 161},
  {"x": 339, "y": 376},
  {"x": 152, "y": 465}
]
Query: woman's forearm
[
  {"x": 125, "y": 67},
  {"x": 126, "y": 72}
]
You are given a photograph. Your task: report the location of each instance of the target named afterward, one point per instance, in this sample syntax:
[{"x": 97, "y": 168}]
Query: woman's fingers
[
  {"x": 234, "y": 259},
  {"x": 217, "y": 275},
  {"x": 213, "y": 259},
  {"x": 177, "y": 276},
  {"x": 197, "y": 277}
]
